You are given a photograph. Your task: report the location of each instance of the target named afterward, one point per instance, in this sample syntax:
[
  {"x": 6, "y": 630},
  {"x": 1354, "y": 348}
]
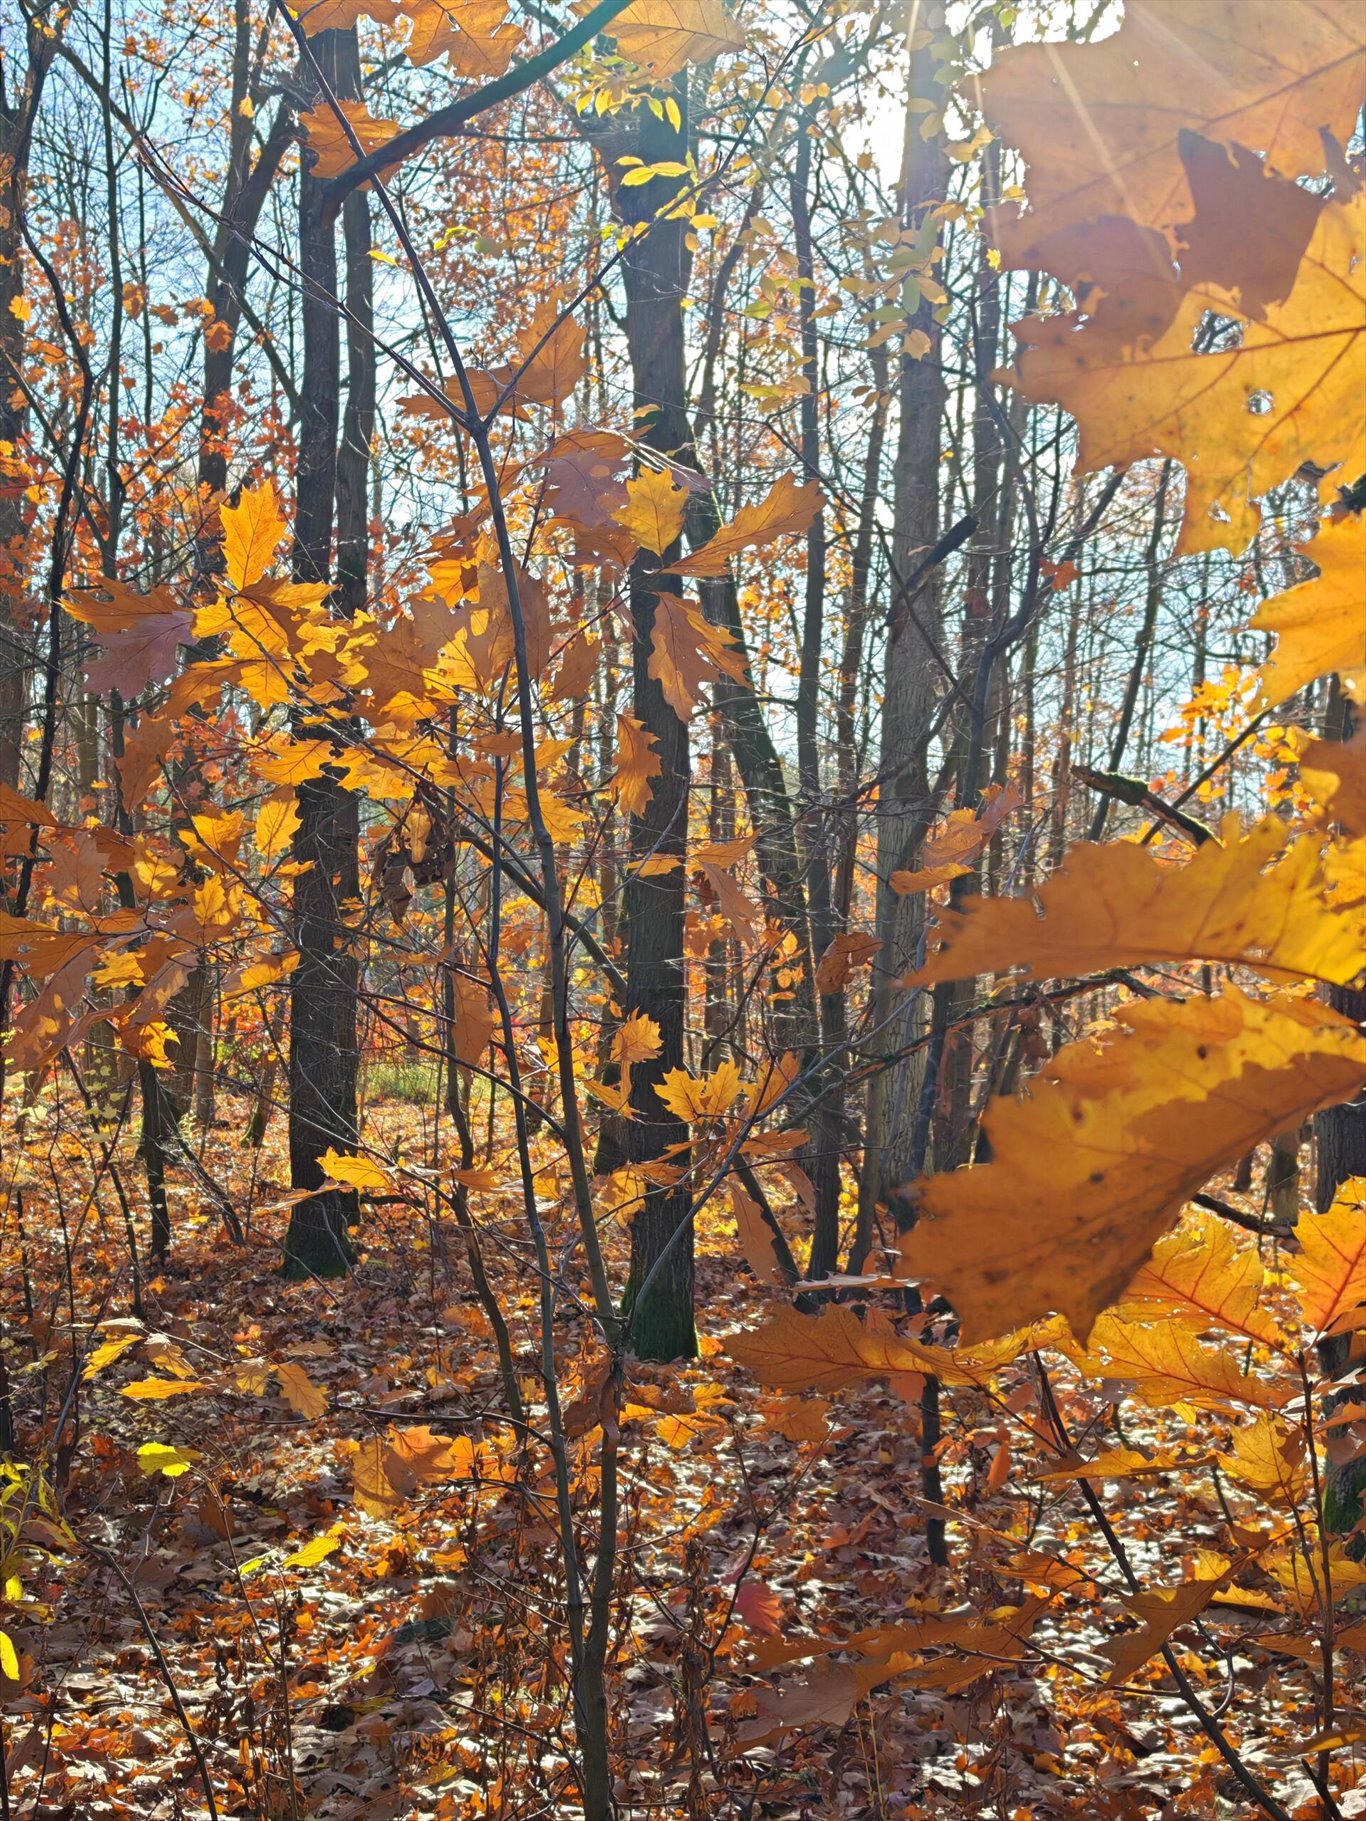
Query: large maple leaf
[
  {"x": 1094, "y": 1166},
  {"x": 1320, "y": 626},
  {"x": 1241, "y": 419},
  {"x": 1100, "y": 125}
]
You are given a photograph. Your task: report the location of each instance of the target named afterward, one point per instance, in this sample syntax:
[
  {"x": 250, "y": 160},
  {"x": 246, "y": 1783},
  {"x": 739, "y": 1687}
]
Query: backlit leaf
[
  {"x": 1320, "y": 626},
  {"x": 664, "y": 35},
  {"x": 786, "y": 508},
  {"x": 252, "y": 530},
  {"x": 1093, "y": 1167},
  {"x": 1115, "y": 905},
  {"x": 1330, "y": 1270},
  {"x": 687, "y": 652},
  {"x": 654, "y": 509}
]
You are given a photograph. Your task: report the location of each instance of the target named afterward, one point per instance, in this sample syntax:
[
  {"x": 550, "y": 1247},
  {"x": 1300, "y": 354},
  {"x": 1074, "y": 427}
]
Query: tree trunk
[
  {"x": 18, "y": 111},
  {"x": 912, "y": 676},
  {"x": 322, "y": 1035},
  {"x": 656, "y": 273}
]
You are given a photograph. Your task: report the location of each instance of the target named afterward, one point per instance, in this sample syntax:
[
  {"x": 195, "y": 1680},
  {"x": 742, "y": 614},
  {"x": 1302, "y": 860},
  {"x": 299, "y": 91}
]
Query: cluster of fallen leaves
[{"x": 310, "y": 1498}]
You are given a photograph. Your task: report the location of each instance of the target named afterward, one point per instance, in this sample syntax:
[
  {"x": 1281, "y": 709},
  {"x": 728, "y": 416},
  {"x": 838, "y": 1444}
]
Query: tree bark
[
  {"x": 911, "y": 674},
  {"x": 655, "y": 273},
  {"x": 18, "y": 112},
  {"x": 323, "y": 1057}
]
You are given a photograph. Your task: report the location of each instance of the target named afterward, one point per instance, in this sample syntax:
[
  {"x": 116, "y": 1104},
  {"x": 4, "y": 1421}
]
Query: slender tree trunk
[
  {"x": 322, "y": 1038},
  {"x": 656, "y": 269},
  {"x": 826, "y": 1118},
  {"x": 911, "y": 677},
  {"x": 18, "y": 112}
]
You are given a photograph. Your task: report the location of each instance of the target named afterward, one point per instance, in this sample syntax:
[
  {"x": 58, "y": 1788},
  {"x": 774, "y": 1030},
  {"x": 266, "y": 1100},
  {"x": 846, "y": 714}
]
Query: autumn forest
[{"x": 682, "y": 891}]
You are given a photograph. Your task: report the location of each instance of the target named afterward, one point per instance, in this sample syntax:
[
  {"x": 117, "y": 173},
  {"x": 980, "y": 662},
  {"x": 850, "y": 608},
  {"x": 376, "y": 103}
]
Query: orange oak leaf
[
  {"x": 1099, "y": 125},
  {"x": 687, "y": 652},
  {"x": 1330, "y": 1271},
  {"x": 1093, "y": 1168},
  {"x": 664, "y": 35},
  {"x": 1247, "y": 901},
  {"x": 1242, "y": 418},
  {"x": 636, "y": 764},
  {"x": 787, "y": 507},
  {"x": 845, "y": 953},
  {"x": 1199, "y": 1273},
  {"x": 252, "y": 530},
  {"x": 472, "y": 33},
  {"x": 1160, "y": 1611},
  {"x": 330, "y": 143},
  {"x": 954, "y": 849}
]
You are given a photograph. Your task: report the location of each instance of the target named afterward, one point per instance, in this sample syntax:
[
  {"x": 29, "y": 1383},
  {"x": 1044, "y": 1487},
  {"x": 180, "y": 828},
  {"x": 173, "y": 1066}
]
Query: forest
[{"x": 682, "y": 910}]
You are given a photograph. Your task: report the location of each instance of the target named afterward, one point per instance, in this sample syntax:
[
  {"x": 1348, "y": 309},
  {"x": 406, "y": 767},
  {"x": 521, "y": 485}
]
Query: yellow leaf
[
  {"x": 664, "y": 35},
  {"x": 155, "y": 1388},
  {"x": 355, "y": 1172},
  {"x": 107, "y": 1352},
  {"x": 1093, "y": 1168},
  {"x": 312, "y": 1553},
  {"x": 1334, "y": 774},
  {"x": 1268, "y": 1456},
  {"x": 1118, "y": 904},
  {"x": 298, "y": 1390},
  {"x": 1161, "y": 1611},
  {"x": 277, "y": 820},
  {"x": 9, "y": 1658},
  {"x": 786, "y": 508},
  {"x": 472, "y": 33},
  {"x": 694, "y": 1099},
  {"x": 159, "y": 1457},
  {"x": 1167, "y": 1364},
  {"x": 636, "y": 763},
  {"x": 1320, "y": 626},
  {"x": 1331, "y": 1267},
  {"x": 252, "y": 530},
  {"x": 654, "y": 509},
  {"x": 1200, "y": 1273},
  {"x": 1304, "y": 1583},
  {"x": 636, "y": 1039}
]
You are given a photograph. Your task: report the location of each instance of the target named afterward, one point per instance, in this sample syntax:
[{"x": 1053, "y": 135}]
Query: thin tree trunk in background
[
  {"x": 911, "y": 678},
  {"x": 1340, "y": 1132},
  {"x": 18, "y": 111},
  {"x": 826, "y": 1118},
  {"x": 322, "y": 1048}
]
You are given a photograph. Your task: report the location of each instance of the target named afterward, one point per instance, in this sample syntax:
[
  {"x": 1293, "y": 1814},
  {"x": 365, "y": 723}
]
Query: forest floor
[{"x": 410, "y": 1661}]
